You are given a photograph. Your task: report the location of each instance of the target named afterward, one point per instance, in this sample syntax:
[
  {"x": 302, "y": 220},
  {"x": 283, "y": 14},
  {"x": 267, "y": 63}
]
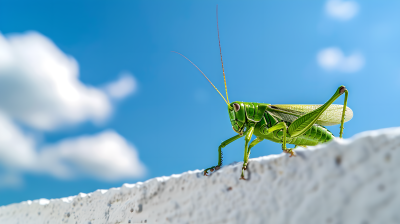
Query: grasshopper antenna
[
  {"x": 204, "y": 76},
  {"x": 220, "y": 52}
]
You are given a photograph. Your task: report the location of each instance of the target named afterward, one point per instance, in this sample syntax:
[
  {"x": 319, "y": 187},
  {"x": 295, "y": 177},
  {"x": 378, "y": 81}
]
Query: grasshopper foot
[
  {"x": 242, "y": 175},
  {"x": 211, "y": 169},
  {"x": 289, "y": 151}
]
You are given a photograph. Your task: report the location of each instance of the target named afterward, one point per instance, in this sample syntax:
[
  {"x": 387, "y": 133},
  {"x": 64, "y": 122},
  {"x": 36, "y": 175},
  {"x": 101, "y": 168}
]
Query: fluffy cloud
[
  {"x": 341, "y": 10},
  {"x": 333, "y": 59},
  {"x": 123, "y": 87},
  {"x": 40, "y": 88},
  {"x": 17, "y": 151},
  {"x": 106, "y": 156}
]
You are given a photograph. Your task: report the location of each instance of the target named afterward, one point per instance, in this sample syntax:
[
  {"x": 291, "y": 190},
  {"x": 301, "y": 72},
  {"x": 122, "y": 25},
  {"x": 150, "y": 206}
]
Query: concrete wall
[{"x": 353, "y": 181}]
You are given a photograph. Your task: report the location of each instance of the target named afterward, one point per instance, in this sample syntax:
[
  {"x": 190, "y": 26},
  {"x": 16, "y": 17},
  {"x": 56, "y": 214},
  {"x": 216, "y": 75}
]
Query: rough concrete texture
[{"x": 353, "y": 181}]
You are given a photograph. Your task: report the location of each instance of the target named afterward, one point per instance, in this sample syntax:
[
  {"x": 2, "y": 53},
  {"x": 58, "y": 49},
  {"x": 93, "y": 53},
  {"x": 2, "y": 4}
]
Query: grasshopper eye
[{"x": 236, "y": 107}]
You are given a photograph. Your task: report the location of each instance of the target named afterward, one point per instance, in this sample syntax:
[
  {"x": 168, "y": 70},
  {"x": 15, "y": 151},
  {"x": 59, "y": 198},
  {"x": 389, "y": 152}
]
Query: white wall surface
[{"x": 354, "y": 181}]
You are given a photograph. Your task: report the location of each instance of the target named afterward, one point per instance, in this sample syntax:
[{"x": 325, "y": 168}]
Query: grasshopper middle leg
[{"x": 282, "y": 126}]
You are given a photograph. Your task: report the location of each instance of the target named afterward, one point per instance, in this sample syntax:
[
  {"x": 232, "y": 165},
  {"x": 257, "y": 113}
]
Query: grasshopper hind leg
[{"x": 305, "y": 122}]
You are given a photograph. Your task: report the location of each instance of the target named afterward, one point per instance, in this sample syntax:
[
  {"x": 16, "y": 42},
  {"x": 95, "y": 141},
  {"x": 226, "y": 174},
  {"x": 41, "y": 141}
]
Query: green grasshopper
[{"x": 298, "y": 124}]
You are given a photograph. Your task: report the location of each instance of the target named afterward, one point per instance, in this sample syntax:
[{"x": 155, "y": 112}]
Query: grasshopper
[{"x": 298, "y": 124}]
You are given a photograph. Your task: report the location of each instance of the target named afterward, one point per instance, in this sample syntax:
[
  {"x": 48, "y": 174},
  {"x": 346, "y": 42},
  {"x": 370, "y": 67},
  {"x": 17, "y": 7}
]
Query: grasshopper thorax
[{"x": 237, "y": 115}]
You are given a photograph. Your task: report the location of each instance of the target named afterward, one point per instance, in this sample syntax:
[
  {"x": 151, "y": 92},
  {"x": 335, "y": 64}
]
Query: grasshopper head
[{"x": 237, "y": 115}]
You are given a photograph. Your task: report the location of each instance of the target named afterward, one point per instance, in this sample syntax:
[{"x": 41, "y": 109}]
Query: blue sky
[{"x": 91, "y": 96}]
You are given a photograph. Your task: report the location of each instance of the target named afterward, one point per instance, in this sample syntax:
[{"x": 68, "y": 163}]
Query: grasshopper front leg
[
  {"x": 252, "y": 144},
  {"x": 249, "y": 134},
  {"x": 223, "y": 144}
]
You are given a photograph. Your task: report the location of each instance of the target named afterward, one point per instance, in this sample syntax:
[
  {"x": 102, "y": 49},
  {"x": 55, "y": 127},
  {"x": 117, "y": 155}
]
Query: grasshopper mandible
[{"x": 298, "y": 124}]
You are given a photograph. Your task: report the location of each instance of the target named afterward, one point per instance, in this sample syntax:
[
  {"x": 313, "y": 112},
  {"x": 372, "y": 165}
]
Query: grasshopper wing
[{"x": 331, "y": 116}]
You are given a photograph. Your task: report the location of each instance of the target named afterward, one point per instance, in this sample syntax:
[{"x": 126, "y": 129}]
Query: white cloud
[
  {"x": 39, "y": 85},
  {"x": 40, "y": 88},
  {"x": 333, "y": 59},
  {"x": 342, "y": 10},
  {"x": 17, "y": 151},
  {"x": 121, "y": 88},
  {"x": 107, "y": 156}
]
